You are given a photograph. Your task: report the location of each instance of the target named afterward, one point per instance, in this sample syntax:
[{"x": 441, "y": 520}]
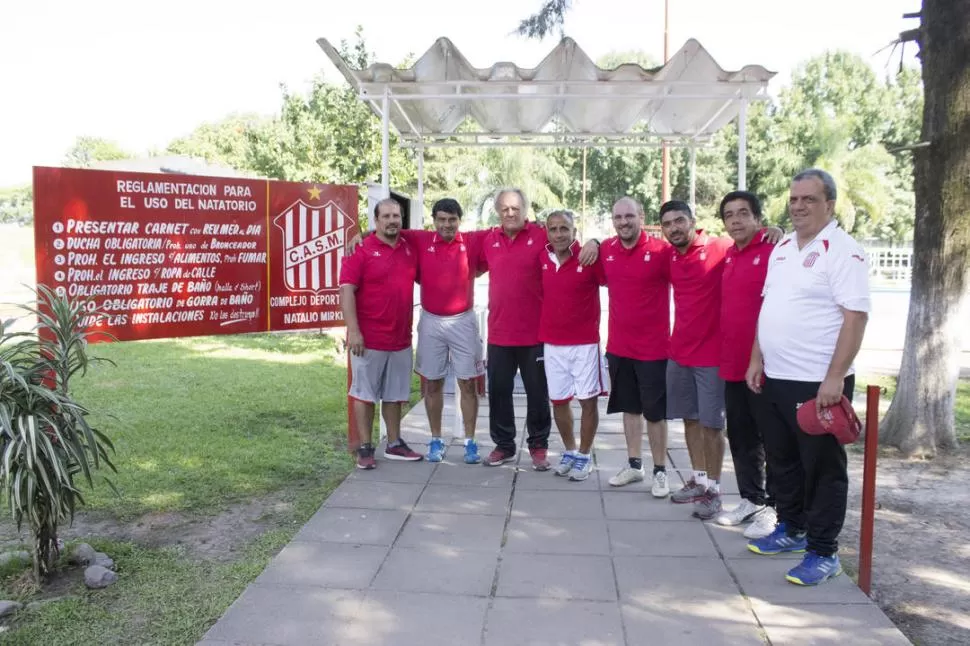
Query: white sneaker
[
  {"x": 660, "y": 488},
  {"x": 740, "y": 514},
  {"x": 565, "y": 464},
  {"x": 626, "y": 476},
  {"x": 763, "y": 524}
]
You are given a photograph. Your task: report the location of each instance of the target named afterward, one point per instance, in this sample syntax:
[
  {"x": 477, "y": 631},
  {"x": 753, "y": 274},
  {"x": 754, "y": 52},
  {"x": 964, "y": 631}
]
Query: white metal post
[
  {"x": 743, "y": 146},
  {"x": 693, "y": 178},
  {"x": 421, "y": 188},
  {"x": 386, "y": 145}
]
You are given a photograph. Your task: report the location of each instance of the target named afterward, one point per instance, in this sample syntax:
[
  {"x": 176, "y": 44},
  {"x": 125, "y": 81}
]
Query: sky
[{"x": 142, "y": 74}]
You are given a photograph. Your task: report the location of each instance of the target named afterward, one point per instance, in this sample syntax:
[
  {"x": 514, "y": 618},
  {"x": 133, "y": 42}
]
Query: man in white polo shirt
[{"x": 814, "y": 315}]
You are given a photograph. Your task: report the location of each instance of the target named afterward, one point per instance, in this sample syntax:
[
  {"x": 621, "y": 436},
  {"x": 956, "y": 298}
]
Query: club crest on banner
[{"x": 313, "y": 245}]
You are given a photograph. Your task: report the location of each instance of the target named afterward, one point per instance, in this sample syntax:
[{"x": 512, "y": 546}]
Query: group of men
[{"x": 762, "y": 323}]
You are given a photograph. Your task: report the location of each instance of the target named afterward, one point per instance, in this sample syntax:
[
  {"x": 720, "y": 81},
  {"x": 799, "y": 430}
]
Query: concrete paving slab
[
  {"x": 326, "y": 565},
  {"x": 453, "y": 471},
  {"x": 661, "y": 582},
  {"x": 513, "y": 622},
  {"x": 453, "y": 531},
  {"x": 286, "y": 616},
  {"x": 552, "y": 576},
  {"x": 659, "y": 538},
  {"x": 416, "y": 619},
  {"x": 456, "y": 499},
  {"x": 728, "y": 624},
  {"x": 441, "y": 570},
  {"x": 388, "y": 471},
  {"x": 557, "y": 504},
  {"x": 359, "y": 526},
  {"x": 375, "y": 495},
  {"x": 620, "y": 504},
  {"x": 558, "y": 536},
  {"x": 765, "y": 579},
  {"x": 827, "y": 624}
]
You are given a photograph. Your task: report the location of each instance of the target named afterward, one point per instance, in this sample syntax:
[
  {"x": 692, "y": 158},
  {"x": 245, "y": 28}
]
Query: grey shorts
[
  {"x": 381, "y": 376},
  {"x": 695, "y": 393},
  {"x": 449, "y": 338}
]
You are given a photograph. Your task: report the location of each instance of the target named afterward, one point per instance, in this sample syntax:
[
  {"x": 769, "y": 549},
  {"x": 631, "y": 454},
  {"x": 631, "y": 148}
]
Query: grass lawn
[
  {"x": 962, "y": 412},
  {"x": 199, "y": 424}
]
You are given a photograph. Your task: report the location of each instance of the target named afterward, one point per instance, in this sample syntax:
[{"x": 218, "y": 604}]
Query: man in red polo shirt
[
  {"x": 745, "y": 267},
  {"x": 695, "y": 390},
  {"x": 638, "y": 279},
  {"x": 448, "y": 261},
  {"x": 512, "y": 253},
  {"x": 569, "y": 330},
  {"x": 377, "y": 299}
]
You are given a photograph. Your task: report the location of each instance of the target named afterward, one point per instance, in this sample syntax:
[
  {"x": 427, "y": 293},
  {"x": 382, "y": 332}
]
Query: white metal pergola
[{"x": 567, "y": 100}]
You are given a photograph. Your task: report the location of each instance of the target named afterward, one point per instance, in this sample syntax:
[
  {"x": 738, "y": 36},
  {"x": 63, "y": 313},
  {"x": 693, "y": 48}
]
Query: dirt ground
[{"x": 921, "y": 570}]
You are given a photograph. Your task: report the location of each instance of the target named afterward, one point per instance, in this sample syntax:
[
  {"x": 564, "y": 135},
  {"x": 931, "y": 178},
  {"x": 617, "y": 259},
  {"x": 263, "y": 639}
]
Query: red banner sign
[{"x": 183, "y": 255}]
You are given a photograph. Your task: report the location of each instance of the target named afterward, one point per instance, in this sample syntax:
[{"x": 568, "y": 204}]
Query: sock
[
  {"x": 700, "y": 477},
  {"x": 396, "y": 442},
  {"x": 714, "y": 485},
  {"x": 659, "y": 468},
  {"x": 469, "y": 440},
  {"x": 636, "y": 463}
]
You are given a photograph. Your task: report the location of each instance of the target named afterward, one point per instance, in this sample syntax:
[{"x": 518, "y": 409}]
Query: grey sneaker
[
  {"x": 565, "y": 464},
  {"x": 708, "y": 506},
  {"x": 582, "y": 467},
  {"x": 691, "y": 492}
]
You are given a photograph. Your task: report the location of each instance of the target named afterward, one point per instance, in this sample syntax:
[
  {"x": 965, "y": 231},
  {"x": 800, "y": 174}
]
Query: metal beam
[
  {"x": 386, "y": 146},
  {"x": 743, "y": 146},
  {"x": 547, "y": 96},
  {"x": 546, "y": 144}
]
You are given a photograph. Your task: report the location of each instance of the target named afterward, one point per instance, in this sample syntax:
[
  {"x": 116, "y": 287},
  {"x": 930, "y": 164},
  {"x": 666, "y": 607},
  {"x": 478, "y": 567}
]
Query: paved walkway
[{"x": 451, "y": 554}]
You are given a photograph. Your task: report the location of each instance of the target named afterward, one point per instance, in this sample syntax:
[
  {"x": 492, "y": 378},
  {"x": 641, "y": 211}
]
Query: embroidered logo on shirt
[
  {"x": 646, "y": 257},
  {"x": 462, "y": 247},
  {"x": 529, "y": 242},
  {"x": 756, "y": 261},
  {"x": 609, "y": 259},
  {"x": 431, "y": 249},
  {"x": 703, "y": 255},
  {"x": 727, "y": 261},
  {"x": 545, "y": 267},
  {"x": 377, "y": 253},
  {"x": 579, "y": 269},
  {"x": 858, "y": 257},
  {"x": 810, "y": 259},
  {"x": 496, "y": 244}
]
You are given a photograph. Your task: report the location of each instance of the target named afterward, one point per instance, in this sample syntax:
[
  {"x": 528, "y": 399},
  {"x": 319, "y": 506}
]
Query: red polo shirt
[
  {"x": 741, "y": 287},
  {"x": 638, "y": 280},
  {"x": 514, "y": 284},
  {"x": 384, "y": 276},
  {"x": 570, "y": 299},
  {"x": 696, "y": 278},
  {"x": 447, "y": 270}
]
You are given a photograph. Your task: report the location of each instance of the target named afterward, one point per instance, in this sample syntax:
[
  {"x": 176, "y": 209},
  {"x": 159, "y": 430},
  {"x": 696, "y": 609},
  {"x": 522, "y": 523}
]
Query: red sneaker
[
  {"x": 402, "y": 452},
  {"x": 365, "y": 457},
  {"x": 497, "y": 457},
  {"x": 539, "y": 461}
]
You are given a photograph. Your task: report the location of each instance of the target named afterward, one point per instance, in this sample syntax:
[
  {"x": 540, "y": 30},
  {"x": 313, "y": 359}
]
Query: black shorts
[{"x": 638, "y": 387}]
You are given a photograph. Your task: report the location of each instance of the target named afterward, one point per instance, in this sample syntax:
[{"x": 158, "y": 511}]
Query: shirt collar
[
  {"x": 824, "y": 234},
  {"x": 436, "y": 239},
  {"x": 573, "y": 249}
]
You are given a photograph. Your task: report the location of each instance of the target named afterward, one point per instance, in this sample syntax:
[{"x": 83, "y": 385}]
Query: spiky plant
[{"x": 46, "y": 441}]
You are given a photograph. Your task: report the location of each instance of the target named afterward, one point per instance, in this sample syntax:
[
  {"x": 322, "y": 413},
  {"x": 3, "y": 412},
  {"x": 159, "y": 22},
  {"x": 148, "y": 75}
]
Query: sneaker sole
[
  {"x": 755, "y": 549},
  {"x": 623, "y": 484},
  {"x": 686, "y": 500},
  {"x": 573, "y": 478},
  {"x": 797, "y": 581},
  {"x": 367, "y": 468},
  {"x": 475, "y": 460},
  {"x": 702, "y": 516},
  {"x": 401, "y": 458},
  {"x": 541, "y": 467},
  {"x": 511, "y": 458},
  {"x": 661, "y": 494}
]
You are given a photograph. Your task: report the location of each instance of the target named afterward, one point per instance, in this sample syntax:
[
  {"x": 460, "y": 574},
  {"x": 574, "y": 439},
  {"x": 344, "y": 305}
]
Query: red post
[
  {"x": 869, "y": 489},
  {"x": 353, "y": 437}
]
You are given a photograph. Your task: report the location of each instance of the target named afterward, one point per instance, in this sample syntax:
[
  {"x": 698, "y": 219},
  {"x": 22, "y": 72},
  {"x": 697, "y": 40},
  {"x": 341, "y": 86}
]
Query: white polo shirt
[{"x": 800, "y": 317}]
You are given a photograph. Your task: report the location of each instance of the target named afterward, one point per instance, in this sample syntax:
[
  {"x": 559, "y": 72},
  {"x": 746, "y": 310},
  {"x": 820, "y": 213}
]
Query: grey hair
[
  {"x": 565, "y": 215},
  {"x": 634, "y": 202},
  {"x": 517, "y": 191},
  {"x": 828, "y": 183}
]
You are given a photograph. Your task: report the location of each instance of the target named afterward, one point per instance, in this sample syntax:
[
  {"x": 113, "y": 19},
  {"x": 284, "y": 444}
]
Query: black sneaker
[{"x": 365, "y": 457}]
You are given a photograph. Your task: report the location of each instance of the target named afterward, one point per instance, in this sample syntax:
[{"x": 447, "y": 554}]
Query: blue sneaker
[
  {"x": 777, "y": 542},
  {"x": 815, "y": 569},
  {"x": 471, "y": 452},
  {"x": 436, "y": 450}
]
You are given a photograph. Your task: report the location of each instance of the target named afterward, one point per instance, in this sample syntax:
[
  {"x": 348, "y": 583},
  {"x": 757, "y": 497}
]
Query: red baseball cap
[{"x": 839, "y": 420}]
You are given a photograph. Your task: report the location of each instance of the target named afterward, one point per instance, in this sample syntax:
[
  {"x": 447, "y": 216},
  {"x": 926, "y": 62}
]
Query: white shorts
[
  {"x": 381, "y": 376},
  {"x": 449, "y": 338},
  {"x": 574, "y": 371}
]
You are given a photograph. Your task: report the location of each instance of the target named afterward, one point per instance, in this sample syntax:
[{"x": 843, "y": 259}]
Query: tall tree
[
  {"x": 920, "y": 419},
  {"x": 223, "y": 142},
  {"x": 91, "y": 149}
]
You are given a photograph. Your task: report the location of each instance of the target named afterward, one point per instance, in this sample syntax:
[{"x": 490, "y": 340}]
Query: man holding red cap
[{"x": 814, "y": 315}]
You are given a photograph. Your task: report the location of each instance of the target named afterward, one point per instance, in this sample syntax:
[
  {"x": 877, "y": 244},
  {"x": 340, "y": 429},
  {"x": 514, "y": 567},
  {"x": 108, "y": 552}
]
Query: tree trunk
[{"x": 921, "y": 417}]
